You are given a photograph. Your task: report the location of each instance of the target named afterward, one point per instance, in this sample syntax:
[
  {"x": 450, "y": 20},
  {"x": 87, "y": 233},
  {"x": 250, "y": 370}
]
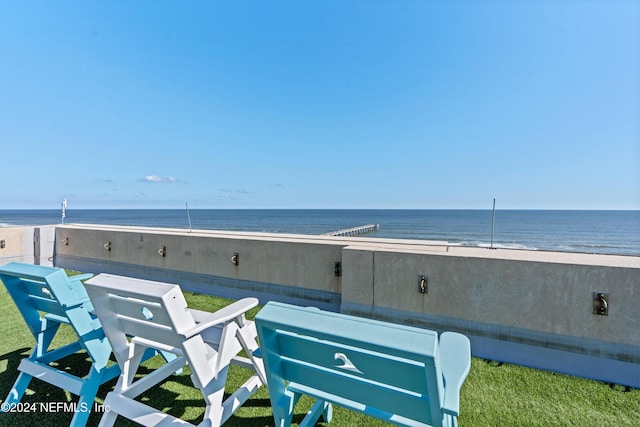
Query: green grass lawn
[{"x": 493, "y": 394}]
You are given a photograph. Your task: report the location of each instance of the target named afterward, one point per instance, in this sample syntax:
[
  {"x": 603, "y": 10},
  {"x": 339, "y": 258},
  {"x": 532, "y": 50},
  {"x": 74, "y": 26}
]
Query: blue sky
[{"x": 320, "y": 104}]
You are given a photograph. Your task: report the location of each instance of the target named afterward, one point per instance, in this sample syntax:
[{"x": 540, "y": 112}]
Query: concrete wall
[
  {"x": 546, "y": 295},
  {"x": 529, "y": 308},
  {"x": 33, "y": 245},
  {"x": 533, "y": 308},
  {"x": 293, "y": 268}
]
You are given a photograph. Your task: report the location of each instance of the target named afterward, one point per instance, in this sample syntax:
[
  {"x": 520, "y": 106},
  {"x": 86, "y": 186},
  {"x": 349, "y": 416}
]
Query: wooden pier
[{"x": 355, "y": 231}]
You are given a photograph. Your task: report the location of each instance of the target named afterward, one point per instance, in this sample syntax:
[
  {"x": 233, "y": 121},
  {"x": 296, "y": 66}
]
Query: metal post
[
  {"x": 188, "y": 216},
  {"x": 493, "y": 222},
  {"x": 64, "y": 209}
]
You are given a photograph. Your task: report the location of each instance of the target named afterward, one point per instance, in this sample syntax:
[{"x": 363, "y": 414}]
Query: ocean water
[{"x": 603, "y": 232}]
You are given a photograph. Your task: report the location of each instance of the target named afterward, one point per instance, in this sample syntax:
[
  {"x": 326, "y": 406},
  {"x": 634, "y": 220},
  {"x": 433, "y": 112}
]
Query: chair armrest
[
  {"x": 74, "y": 303},
  {"x": 75, "y": 283},
  {"x": 206, "y": 320},
  {"x": 455, "y": 358},
  {"x": 81, "y": 277}
]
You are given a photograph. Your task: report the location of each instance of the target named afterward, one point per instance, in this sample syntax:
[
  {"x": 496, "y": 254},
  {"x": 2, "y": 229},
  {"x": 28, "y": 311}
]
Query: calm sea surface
[{"x": 604, "y": 232}]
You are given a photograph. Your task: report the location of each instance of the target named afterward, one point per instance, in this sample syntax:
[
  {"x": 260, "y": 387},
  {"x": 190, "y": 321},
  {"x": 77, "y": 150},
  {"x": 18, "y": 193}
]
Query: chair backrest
[
  {"x": 39, "y": 289},
  {"x": 128, "y": 307},
  {"x": 385, "y": 370}
]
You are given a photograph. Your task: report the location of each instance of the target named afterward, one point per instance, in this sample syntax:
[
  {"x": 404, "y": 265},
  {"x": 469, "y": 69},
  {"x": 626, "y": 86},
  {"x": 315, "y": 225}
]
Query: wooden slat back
[
  {"x": 144, "y": 319},
  {"x": 401, "y": 373},
  {"x": 375, "y": 380},
  {"x": 381, "y": 368},
  {"x": 141, "y": 310},
  {"x": 36, "y": 291},
  {"x": 38, "y": 296},
  {"x": 133, "y": 307}
]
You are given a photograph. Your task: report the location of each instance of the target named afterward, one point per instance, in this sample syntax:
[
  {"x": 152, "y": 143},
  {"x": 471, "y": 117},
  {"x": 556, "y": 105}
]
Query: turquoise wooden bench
[
  {"x": 404, "y": 375},
  {"x": 47, "y": 298}
]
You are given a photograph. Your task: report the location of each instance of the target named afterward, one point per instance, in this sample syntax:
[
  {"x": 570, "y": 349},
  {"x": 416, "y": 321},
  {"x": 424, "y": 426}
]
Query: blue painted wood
[
  {"x": 62, "y": 300},
  {"x": 401, "y": 374}
]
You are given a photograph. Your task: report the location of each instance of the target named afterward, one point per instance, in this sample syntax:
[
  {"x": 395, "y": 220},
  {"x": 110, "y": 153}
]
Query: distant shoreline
[{"x": 614, "y": 232}]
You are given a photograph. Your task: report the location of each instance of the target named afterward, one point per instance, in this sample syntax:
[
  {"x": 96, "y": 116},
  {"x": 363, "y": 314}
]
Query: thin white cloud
[
  {"x": 235, "y": 190},
  {"x": 157, "y": 179}
]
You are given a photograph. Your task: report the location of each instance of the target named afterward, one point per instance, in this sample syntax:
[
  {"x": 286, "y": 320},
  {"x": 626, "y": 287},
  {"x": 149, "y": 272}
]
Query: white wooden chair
[{"x": 141, "y": 314}]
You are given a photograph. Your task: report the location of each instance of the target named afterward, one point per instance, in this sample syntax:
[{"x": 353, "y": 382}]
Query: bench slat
[
  {"x": 45, "y": 305},
  {"x": 399, "y": 372},
  {"x": 333, "y": 386},
  {"x": 29, "y": 271},
  {"x": 33, "y": 287},
  {"x": 151, "y": 331},
  {"x": 356, "y": 406},
  {"x": 36, "y": 294},
  {"x": 398, "y": 340}
]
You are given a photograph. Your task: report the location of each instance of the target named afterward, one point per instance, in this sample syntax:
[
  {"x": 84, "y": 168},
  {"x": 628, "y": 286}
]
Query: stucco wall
[
  {"x": 32, "y": 245},
  {"x": 529, "y": 307}
]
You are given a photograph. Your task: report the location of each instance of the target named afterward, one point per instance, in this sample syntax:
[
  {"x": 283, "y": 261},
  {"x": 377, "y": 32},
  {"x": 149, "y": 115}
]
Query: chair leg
[
  {"x": 283, "y": 410},
  {"x": 44, "y": 338},
  {"x": 87, "y": 398},
  {"x": 213, "y": 394},
  {"x": 327, "y": 414},
  {"x": 18, "y": 389},
  {"x": 167, "y": 356},
  {"x": 319, "y": 408},
  {"x": 129, "y": 369},
  {"x": 108, "y": 418},
  {"x": 247, "y": 338},
  {"x": 81, "y": 416}
]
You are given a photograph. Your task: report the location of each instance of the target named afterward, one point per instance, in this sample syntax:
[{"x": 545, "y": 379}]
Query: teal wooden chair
[
  {"x": 47, "y": 298},
  {"x": 403, "y": 375}
]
